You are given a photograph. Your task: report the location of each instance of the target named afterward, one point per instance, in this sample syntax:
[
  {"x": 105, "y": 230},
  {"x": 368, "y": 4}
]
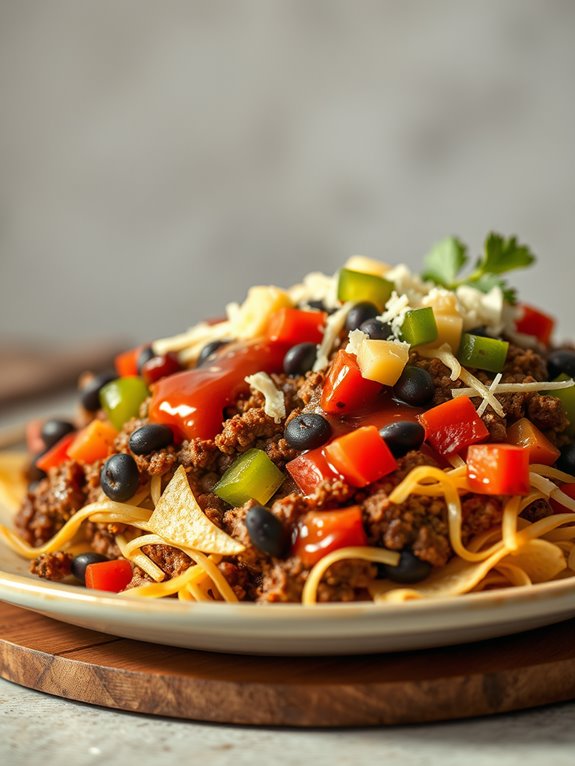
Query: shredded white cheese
[
  {"x": 485, "y": 403},
  {"x": 395, "y": 310},
  {"x": 356, "y": 338},
  {"x": 274, "y": 398},
  {"x": 444, "y": 354},
  {"x": 333, "y": 326},
  {"x": 190, "y": 343},
  {"x": 510, "y": 388},
  {"x": 316, "y": 287},
  {"x": 409, "y": 284},
  {"x": 481, "y": 309}
]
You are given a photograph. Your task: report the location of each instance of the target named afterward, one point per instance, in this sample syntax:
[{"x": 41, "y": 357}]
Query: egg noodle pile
[{"x": 514, "y": 553}]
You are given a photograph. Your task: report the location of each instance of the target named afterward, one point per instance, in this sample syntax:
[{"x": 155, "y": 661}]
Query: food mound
[{"x": 376, "y": 435}]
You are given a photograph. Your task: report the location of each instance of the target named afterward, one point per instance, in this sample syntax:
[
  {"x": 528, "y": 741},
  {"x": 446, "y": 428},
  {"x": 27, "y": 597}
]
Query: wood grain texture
[{"x": 512, "y": 673}]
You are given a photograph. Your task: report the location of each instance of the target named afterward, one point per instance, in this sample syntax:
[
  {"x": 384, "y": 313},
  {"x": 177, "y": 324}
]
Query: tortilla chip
[{"x": 179, "y": 520}]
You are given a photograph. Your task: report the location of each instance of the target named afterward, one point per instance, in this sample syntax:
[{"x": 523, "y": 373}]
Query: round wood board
[{"x": 522, "y": 671}]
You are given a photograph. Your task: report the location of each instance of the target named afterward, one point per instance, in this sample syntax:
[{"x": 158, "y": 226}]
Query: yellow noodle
[
  {"x": 379, "y": 555},
  {"x": 140, "y": 559},
  {"x": 514, "y": 574}
]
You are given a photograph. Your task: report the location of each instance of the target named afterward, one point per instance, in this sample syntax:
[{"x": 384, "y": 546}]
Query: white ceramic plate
[{"x": 290, "y": 628}]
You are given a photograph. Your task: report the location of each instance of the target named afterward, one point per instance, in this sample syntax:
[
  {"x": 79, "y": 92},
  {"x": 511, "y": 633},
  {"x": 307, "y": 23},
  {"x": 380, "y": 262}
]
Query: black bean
[
  {"x": 561, "y": 361},
  {"x": 409, "y": 570},
  {"x": 119, "y": 477},
  {"x": 566, "y": 460},
  {"x": 415, "y": 386},
  {"x": 144, "y": 356},
  {"x": 402, "y": 436},
  {"x": 359, "y": 314},
  {"x": 300, "y": 358},
  {"x": 316, "y": 305},
  {"x": 266, "y": 532},
  {"x": 53, "y": 430},
  {"x": 90, "y": 393},
  {"x": 150, "y": 437},
  {"x": 83, "y": 560},
  {"x": 376, "y": 329},
  {"x": 307, "y": 431},
  {"x": 209, "y": 349}
]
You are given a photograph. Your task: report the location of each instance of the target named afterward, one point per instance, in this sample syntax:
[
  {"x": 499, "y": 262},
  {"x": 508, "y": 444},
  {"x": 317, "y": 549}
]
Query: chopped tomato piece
[
  {"x": 109, "y": 575},
  {"x": 295, "y": 326},
  {"x": 92, "y": 443},
  {"x": 498, "y": 469},
  {"x": 57, "y": 454},
  {"x": 345, "y": 388},
  {"x": 321, "y": 532},
  {"x": 126, "y": 363},
  {"x": 535, "y": 322},
  {"x": 361, "y": 456},
  {"x": 567, "y": 489},
  {"x": 453, "y": 425},
  {"x": 524, "y": 434},
  {"x": 310, "y": 469}
]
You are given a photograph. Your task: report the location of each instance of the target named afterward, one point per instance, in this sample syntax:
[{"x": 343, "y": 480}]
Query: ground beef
[
  {"x": 283, "y": 581},
  {"x": 52, "y": 566},
  {"x": 240, "y": 432},
  {"x": 155, "y": 463},
  {"x": 102, "y": 538},
  {"x": 51, "y": 503},
  {"x": 199, "y": 454}
]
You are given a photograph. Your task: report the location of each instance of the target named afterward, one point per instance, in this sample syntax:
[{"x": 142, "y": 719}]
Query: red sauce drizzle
[{"x": 192, "y": 402}]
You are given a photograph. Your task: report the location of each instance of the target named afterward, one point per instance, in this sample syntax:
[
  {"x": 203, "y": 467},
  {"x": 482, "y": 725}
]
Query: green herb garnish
[{"x": 447, "y": 258}]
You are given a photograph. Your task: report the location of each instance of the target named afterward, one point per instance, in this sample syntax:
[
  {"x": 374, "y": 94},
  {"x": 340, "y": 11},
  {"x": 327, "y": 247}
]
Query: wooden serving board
[{"x": 530, "y": 669}]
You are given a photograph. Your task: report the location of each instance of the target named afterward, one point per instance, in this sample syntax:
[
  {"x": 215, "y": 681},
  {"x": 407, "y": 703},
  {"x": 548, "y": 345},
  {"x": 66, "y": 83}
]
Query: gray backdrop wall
[{"x": 157, "y": 158}]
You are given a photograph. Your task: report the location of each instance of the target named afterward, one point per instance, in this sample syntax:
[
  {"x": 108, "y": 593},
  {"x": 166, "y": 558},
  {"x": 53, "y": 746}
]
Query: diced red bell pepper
[
  {"x": 92, "y": 443},
  {"x": 109, "y": 575},
  {"x": 345, "y": 389},
  {"x": 524, "y": 434},
  {"x": 321, "y": 532},
  {"x": 498, "y": 469},
  {"x": 310, "y": 469},
  {"x": 296, "y": 326},
  {"x": 535, "y": 322},
  {"x": 126, "y": 363},
  {"x": 361, "y": 456},
  {"x": 57, "y": 454},
  {"x": 453, "y": 425},
  {"x": 567, "y": 489}
]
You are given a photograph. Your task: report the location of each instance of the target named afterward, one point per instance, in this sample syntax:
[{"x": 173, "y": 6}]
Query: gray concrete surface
[{"x": 38, "y": 729}]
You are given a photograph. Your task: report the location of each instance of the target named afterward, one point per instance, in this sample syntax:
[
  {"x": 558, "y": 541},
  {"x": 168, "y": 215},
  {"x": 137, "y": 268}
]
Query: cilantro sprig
[{"x": 444, "y": 263}]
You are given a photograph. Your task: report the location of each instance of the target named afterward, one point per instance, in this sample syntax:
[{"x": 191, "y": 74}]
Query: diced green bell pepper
[
  {"x": 251, "y": 476},
  {"x": 121, "y": 399},
  {"x": 483, "y": 353},
  {"x": 419, "y": 327},
  {"x": 567, "y": 398},
  {"x": 356, "y": 286}
]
